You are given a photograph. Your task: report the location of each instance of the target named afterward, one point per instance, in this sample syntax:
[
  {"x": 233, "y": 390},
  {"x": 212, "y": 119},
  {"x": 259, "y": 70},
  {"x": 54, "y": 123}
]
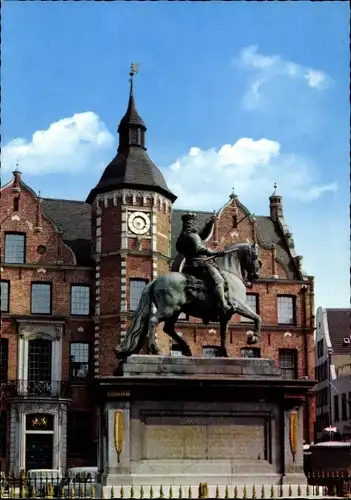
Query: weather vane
[{"x": 134, "y": 68}]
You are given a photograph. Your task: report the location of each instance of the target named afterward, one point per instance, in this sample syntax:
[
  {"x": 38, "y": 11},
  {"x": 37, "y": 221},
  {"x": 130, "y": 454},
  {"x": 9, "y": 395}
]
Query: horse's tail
[{"x": 138, "y": 331}]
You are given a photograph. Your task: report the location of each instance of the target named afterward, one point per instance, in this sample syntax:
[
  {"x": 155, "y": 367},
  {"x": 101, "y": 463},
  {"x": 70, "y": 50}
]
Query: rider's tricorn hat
[{"x": 188, "y": 216}]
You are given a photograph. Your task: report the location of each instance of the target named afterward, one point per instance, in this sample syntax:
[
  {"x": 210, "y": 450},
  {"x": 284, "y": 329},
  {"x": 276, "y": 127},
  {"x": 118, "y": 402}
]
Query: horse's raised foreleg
[
  {"x": 244, "y": 310},
  {"x": 169, "y": 328},
  {"x": 223, "y": 322}
]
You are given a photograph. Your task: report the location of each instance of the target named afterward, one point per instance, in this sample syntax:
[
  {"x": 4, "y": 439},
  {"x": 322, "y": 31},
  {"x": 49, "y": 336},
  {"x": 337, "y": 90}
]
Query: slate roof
[
  {"x": 339, "y": 325},
  {"x": 74, "y": 218},
  {"x": 132, "y": 168},
  {"x": 131, "y": 117},
  {"x": 269, "y": 233}
]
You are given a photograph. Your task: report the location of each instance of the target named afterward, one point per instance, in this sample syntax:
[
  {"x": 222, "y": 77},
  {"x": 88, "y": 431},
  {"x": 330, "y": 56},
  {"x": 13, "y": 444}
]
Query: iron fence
[
  {"x": 36, "y": 388},
  {"x": 58, "y": 487}
]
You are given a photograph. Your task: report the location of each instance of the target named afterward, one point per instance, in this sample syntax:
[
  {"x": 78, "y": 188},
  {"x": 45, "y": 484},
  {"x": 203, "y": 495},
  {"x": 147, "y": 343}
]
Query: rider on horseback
[{"x": 190, "y": 245}]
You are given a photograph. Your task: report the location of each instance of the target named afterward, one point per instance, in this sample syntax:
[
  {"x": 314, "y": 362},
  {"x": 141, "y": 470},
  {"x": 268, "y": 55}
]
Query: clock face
[{"x": 139, "y": 223}]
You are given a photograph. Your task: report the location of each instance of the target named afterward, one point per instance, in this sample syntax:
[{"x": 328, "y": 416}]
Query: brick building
[
  {"x": 72, "y": 273},
  {"x": 333, "y": 372}
]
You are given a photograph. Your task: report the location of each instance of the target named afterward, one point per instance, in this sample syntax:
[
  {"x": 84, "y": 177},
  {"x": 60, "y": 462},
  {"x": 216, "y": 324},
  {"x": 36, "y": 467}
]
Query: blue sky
[{"x": 267, "y": 79}]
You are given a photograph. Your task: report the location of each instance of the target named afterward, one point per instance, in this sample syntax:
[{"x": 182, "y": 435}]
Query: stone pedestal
[{"x": 182, "y": 421}]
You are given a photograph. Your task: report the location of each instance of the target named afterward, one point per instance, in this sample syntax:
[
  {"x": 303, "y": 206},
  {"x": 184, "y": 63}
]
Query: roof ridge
[{"x": 65, "y": 199}]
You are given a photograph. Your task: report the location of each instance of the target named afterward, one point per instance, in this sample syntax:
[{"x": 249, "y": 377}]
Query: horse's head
[{"x": 245, "y": 257}]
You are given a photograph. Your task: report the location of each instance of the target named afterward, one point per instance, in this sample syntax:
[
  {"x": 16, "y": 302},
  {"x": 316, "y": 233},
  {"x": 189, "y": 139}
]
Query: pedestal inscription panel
[{"x": 204, "y": 437}]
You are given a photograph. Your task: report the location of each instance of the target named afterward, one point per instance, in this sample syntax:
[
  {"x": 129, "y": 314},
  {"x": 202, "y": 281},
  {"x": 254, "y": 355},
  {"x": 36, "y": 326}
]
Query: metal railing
[
  {"x": 58, "y": 487},
  {"x": 36, "y": 388}
]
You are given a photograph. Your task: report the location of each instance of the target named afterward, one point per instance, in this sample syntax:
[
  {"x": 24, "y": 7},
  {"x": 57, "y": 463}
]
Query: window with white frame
[
  {"x": 136, "y": 287},
  {"x": 41, "y": 298},
  {"x": 80, "y": 300},
  {"x": 15, "y": 248},
  {"x": 288, "y": 363},
  {"x": 79, "y": 360},
  {"x": 286, "y": 310},
  {"x": 252, "y": 302},
  {"x": 39, "y": 361},
  {"x": 5, "y": 296}
]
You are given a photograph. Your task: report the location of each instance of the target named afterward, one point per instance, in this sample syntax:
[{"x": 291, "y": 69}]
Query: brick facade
[{"x": 112, "y": 255}]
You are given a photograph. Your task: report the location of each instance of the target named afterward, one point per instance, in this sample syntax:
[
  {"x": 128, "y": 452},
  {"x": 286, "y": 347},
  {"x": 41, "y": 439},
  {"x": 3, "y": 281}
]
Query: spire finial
[
  {"x": 134, "y": 68},
  {"x": 275, "y": 189},
  {"x": 233, "y": 195}
]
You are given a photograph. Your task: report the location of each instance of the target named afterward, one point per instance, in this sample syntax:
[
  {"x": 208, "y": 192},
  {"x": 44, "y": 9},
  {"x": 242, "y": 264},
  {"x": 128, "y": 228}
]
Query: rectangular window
[
  {"x": 15, "y": 248},
  {"x": 79, "y": 360},
  {"x": 336, "y": 408},
  {"x": 4, "y": 359},
  {"x": 5, "y": 296},
  {"x": 41, "y": 298},
  {"x": 253, "y": 302},
  {"x": 250, "y": 352},
  {"x": 136, "y": 287},
  {"x": 211, "y": 351},
  {"x": 39, "y": 363},
  {"x": 80, "y": 300},
  {"x": 79, "y": 430},
  {"x": 3, "y": 434},
  {"x": 286, "y": 310},
  {"x": 288, "y": 363},
  {"x": 343, "y": 406}
]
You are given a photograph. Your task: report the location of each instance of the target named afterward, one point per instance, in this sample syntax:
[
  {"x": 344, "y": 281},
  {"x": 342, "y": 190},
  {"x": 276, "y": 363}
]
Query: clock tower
[{"x": 131, "y": 210}]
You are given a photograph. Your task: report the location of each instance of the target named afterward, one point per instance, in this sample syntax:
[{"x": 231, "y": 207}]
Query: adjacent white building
[{"x": 333, "y": 371}]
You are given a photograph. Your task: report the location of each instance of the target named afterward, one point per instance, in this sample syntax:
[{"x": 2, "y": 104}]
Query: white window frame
[
  {"x": 80, "y": 301},
  {"x": 134, "y": 300},
  {"x": 256, "y": 308},
  {"x": 285, "y": 302},
  {"x": 5, "y": 296},
  {"x": 32, "y": 288},
  {"x": 19, "y": 246}
]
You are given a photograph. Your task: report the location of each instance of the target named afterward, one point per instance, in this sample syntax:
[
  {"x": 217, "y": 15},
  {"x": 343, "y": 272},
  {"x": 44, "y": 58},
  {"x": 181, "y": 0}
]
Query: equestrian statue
[{"x": 211, "y": 286}]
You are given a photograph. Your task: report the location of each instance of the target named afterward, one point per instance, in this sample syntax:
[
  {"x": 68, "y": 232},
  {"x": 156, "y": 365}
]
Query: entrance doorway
[{"x": 39, "y": 450}]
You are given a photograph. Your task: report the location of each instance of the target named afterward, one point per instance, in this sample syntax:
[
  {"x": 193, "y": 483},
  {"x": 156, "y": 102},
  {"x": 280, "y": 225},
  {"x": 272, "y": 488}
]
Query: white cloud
[
  {"x": 203, "y": 179},
  {"x": 267, "y": 69},
  {"x": 68, "y": 145}
]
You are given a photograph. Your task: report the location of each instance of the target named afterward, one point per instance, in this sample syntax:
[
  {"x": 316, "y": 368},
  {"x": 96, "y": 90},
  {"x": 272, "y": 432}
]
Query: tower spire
[{"x": 131, "y": 128}]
